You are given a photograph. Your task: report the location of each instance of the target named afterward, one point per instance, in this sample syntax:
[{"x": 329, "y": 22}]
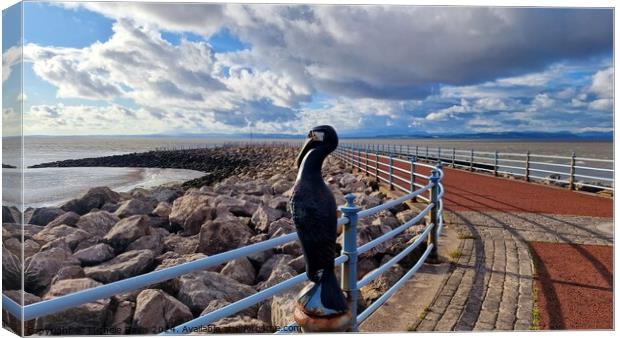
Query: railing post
[
  {"x": 433, "y": 235},
  {"x": 377, "y": 166},
  {"x": 495, "y": 163},
  {"x": 571, "y": 179},
  {"x": 426, "y": 153},
  {"x": 416, "y": 151},
  {"x": 366, "y": 158},
  {"x": 453, "y": 157},
  {"x": 391, "y": 171},
  {"x": 412, "y": 180},
  {"x": 349, "y": 249},
  {"x": 471, "y": 161},
  {"x": 439, "y": 154},
  {"x": 527, "y": 166}
]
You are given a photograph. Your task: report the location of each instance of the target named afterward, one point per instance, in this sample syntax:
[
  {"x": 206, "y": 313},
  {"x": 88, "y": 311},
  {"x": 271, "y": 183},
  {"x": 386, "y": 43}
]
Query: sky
[{"x": 154, "y": 68}]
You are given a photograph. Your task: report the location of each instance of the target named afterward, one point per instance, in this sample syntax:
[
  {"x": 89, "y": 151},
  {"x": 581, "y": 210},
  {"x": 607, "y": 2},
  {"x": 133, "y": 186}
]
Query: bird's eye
[{"x": 310, "y": 133}]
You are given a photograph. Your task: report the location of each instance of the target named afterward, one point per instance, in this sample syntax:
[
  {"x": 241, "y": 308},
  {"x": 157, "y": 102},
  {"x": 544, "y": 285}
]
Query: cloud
[
  {"x": 390, "y": 52},
  {"x": 603, "y": 83},
  {"x": 10, "y": 58}
]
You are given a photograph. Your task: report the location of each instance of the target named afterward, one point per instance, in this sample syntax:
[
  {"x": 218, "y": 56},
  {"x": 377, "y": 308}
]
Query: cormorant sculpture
[{"x": 314, "y": 212}]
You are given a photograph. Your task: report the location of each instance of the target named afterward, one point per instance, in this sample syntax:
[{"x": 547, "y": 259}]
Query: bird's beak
[{"x": 304, "y": 150}]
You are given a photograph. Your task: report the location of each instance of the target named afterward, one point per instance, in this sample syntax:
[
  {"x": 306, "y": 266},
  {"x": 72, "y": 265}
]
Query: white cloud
[
  {"x": 10, "y": 58},
  {"x": 603, "y": 83}
]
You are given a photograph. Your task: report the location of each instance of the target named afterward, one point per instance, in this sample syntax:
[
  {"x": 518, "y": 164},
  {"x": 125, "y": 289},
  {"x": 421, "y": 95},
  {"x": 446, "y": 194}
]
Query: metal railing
[
  {"x": 348, "y": 260},
  {"x": 573, "y": 172}
]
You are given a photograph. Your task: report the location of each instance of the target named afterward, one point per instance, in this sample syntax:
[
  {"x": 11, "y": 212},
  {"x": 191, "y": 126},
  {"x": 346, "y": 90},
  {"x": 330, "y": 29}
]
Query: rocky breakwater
[{"x": 105, "y": 236}]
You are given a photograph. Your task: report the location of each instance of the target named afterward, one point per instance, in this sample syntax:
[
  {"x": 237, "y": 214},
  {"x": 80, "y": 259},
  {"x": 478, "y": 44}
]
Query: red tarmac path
[{"x": 468, "y": 191}]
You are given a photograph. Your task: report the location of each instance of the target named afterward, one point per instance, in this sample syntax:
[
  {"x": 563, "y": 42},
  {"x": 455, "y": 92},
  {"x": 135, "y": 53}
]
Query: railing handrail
[{"x": 494, "y": 162}]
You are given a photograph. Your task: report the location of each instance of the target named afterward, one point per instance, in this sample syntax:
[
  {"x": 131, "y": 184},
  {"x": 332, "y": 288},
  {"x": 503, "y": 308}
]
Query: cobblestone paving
[{"x": 491, "y": 284}]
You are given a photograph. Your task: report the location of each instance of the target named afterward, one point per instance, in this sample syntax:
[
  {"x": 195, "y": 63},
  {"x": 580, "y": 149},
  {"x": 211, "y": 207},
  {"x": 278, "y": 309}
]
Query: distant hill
[{"x": 513, "y": 135}]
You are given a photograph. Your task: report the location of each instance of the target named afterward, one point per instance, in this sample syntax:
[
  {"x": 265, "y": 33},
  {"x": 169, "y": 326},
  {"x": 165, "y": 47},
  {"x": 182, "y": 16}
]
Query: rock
[
  {"x": 260, "y": 257},
  {"x": 368, "y": 202},
  {"x": 97, "y": 223},
  {"x": 80, "y": 320},
  {"x": 271, "y": 264},
  {"x": 279, "y": 203},
  {"x": 166, "y": 194},
  {"x": 170, "y": 259},
  {"x": 181, "y": 244},
  {"x": 133, "y": 207},
  {"x": 241, "y": 324},
  {"x": 216, "y": 237},
  {"x": 282, "y": 306},
  {"x": 71, "y": 236},
  {"x": 94, "y": 198},
  {"x": 365, "y": 265},
  {"x": 153, "y": 242},
  {"x": 7, "y": 215},
  {"x": 236, "y": 206},
  {"x": 298, "y": 264},
  {"x": 375, "y": 289},
  {"x": 110, "y": 207},
  {"x": 219, "y": 303},
  {"x": 30, "y": 247},
  {"x": 240, "y": 270},
  {"x": 157, "y": 311},
  {"x": 127, "y": 230},
  {"x": 13, "y": 323},
  {"x": 159, "y": 222},
  {"x": 264, "y": 216},
  {"x": 128, "y": 264},
  {"x": 162, "y": 209},
  {"x": 43, "y": 216},
  {"x": 367, "y": 233},
  {"x": 11, "y": 270},
  {"x": 195, "y": 207},
  {"x": 69, "y": 218},
  {"x": 198, "y": 289},
  {"x": 68, "y": 272},
  {"x": 281, "y": 186},
  {"x": 347, "y": 179},
  {"x": 286, "y": 224},
  {"x": 290, "y": 248},
  {"x": 279, "y": 273},
  {"x": 95, "y": 254},
  {"x": 42, "y": 267},
  {"x": 122, "y": 318},
  {"x": 386, "y": 218},
  {"x": 264, "y": 312}
]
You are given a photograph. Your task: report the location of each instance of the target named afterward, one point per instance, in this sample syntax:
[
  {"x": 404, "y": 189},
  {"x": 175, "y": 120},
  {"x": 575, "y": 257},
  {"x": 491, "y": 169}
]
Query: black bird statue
[{"x": 313, "y": 208}]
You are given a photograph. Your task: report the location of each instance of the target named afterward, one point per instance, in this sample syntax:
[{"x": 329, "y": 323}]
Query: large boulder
[
  {"x": 68, "y": 272},
  {"x": 272, "y": 264},
  {"x": 157, "y": 311},
  {"x": 190, "y": 211},
  {"x": 128, "y": 264},
  {"x": 69, "y": 218},
  {"x": 11, "y": 270},
  {"x": 43, "y": 266},
  {"x": 238, "y": 207},
  {"x": 42, "y": 216},
  {"x": 220, "y": 303},
  {"x": 181, "y": 244},
  {"x": 80, "y": 320},
  {"x": 216, "y": 236},
  {"x": 264, "y": 216},
  {"x": 153, "y": 242},
  {"x": 240, "y": 270},
  {"x": 63, "y": 233},
  {"x": 11, "y": 321},
  {"x": 198, "y": 289},
  {"x": 170, "y": 259},
  {"x": 127, "y": 230},
  {"x": 95, "y": 254},
  {"x": 162, "y": 210},
  {"x": 279, "y": 273},
  {"x": 94, "y": 198},
  {"x": 97, "y": 223},
  {"x": 123, "y": 316},
  {"x": 134, "y": 207},
  {"x": 8, "y": 215},
  {"x": 284, "y": 225}
]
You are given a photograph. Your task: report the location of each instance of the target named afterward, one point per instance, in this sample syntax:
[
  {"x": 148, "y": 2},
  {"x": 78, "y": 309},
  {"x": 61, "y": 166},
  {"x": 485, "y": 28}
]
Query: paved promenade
[{"x": 490, "y": 286}]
